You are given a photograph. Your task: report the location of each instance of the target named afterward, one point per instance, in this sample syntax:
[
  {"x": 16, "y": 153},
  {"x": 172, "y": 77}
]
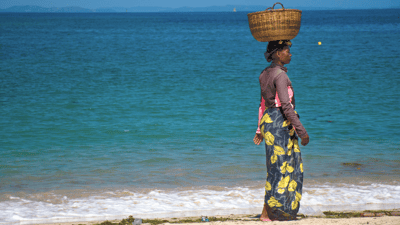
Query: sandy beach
[
  {"x": 308, "y": 221},
  {"x": 369, "y": 218}
]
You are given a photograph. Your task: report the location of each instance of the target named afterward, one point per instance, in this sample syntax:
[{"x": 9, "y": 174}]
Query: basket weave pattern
[{"x": 275, "y": 24}]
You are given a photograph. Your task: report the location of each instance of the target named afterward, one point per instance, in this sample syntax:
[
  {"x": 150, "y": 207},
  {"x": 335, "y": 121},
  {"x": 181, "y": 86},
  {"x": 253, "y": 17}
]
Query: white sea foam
[{"x": 159, "y": 203}]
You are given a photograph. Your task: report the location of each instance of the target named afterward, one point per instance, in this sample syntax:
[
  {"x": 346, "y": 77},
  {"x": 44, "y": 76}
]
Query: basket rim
[{"x": 275, "y": 10}]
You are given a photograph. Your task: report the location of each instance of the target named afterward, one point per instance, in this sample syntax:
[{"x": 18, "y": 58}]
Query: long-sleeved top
[{"x": 277, "y": 91}]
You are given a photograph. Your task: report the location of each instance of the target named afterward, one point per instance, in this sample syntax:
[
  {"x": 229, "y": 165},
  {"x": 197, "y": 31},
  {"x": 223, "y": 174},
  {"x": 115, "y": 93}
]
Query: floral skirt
[{"x": 284, "y": 184}]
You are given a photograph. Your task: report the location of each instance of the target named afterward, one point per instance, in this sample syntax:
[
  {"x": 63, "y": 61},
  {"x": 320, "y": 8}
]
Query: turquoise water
[{"x": 170, "y": 100}]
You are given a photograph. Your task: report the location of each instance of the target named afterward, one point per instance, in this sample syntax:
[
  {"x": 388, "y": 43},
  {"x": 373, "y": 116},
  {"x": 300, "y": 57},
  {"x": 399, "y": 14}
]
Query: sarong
[{"x": 283, "y": 188}]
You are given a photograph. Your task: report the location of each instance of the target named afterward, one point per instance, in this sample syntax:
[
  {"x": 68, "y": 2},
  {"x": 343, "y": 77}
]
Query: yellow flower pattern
[
  {"x": 272, "y": 202},
  {"x": 274, "y": 158},
  {"x": 283, "y": 184},
  {"x": 289, "y": 169},
  {"x": 266, "y": 119},
  {"x": 269, "y": 138},
  {"x": 278, "y": 150},
  {"x": 296, "y": 146},
  {"x": 285, "y": 167},
  {"x": 292, "y": 185},
  {"x": 301, "y": 167},
  {"x": 298, "y": 196},
  {"x": 268, "y": 186},
  {"x": 290, "y": 144},
  {"x": 285, "y": 123},
  {"x": 281, "y": 190},
  {"x": 295, "y": 204},
  {"x": 296, "y": 201}
]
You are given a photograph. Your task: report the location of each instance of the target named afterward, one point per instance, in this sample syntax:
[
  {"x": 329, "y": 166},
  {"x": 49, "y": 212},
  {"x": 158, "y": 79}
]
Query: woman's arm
[
  {"x": 258, "y": 138},
  {"x": 281, "y": 84},
  {"x": 260, "y": 114}
]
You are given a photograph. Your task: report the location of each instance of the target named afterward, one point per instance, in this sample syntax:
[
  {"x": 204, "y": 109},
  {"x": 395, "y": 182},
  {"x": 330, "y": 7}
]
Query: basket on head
[{"x": 275, "y": 24}]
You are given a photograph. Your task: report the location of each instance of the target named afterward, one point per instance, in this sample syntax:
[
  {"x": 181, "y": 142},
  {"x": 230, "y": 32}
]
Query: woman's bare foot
[{"x": 264, "y": 214}]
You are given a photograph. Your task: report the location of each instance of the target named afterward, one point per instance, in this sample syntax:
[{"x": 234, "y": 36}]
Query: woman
[{"x": 280, "y": 126}]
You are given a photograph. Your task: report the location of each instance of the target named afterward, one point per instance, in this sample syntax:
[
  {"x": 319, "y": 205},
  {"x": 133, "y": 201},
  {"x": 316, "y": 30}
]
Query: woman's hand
[
  {"x": 258, "y": 139},
  {"x": 305, "y": 140}
]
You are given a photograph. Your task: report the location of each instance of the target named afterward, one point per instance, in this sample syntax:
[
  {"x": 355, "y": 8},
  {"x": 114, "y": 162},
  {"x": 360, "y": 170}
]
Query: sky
[{"x": 94, "y": 4}]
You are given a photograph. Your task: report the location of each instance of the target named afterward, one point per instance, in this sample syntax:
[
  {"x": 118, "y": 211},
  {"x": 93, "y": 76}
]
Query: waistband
[{"x": 280, "y": 109}]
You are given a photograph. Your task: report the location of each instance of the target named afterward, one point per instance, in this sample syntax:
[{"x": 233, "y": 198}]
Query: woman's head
[{"x": 278, "y": 51}]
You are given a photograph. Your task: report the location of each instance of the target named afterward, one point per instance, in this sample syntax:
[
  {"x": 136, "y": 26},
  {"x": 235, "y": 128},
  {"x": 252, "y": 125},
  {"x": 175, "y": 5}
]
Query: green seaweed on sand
[
  {"x": 210, "y": 219},
  {"x": 187, "y": 221},
  {"x": 130, "y": 219},
  {"x": 302, "y": 216},
  {"x": 330, "y": 214},
  {"x": 218, "y": 219},
  {"x": 108, "y": 223},
  {"x": 155, "y": 221},
  {"x": 372, "y": 213},
  {"x": 126, "y": 221},
  {"x": 387, "y": 212}
]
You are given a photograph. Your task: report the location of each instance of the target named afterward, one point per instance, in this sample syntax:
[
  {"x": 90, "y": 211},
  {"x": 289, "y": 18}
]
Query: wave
[{"x": 79, "y": 205}]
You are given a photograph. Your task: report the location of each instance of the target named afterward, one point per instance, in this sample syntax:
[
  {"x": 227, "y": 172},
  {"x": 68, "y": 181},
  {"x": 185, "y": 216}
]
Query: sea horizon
[{"x": 155, "y": 9}]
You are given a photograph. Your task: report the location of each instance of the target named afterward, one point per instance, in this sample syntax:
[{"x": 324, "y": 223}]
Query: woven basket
[{"x": 275, "y": 24}]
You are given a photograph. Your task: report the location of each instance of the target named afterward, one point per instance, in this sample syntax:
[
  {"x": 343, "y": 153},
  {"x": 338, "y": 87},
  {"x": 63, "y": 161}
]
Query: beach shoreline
[
  {"x": 62, "y": 208},
  {"x": 339, "y": 217}
]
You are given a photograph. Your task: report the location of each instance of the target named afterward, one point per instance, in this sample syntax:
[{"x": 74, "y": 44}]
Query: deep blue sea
[{"x": 104, "y": 115}]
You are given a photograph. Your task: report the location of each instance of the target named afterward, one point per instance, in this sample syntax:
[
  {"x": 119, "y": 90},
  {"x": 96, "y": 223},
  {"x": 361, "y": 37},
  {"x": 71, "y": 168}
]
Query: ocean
[{"x": 106, "y": 115}]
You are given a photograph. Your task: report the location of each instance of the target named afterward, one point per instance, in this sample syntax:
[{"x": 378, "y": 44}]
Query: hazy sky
[{"x": 93, "y": 4}]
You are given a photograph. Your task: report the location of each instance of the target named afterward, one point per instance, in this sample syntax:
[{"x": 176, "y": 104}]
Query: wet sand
[{"x": 370, "y": 219}]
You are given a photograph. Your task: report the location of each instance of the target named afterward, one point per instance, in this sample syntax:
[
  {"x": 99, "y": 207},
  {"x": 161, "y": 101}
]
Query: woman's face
[{"x": 284, "y": 55}]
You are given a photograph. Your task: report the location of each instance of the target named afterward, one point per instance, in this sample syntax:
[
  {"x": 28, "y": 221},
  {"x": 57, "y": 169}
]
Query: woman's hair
[{"x": 274, "y": 46}]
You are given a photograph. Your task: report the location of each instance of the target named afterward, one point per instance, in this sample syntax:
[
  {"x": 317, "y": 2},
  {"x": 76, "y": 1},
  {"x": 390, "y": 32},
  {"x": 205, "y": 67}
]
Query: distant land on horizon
[{"x": 227, "y": 8}]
